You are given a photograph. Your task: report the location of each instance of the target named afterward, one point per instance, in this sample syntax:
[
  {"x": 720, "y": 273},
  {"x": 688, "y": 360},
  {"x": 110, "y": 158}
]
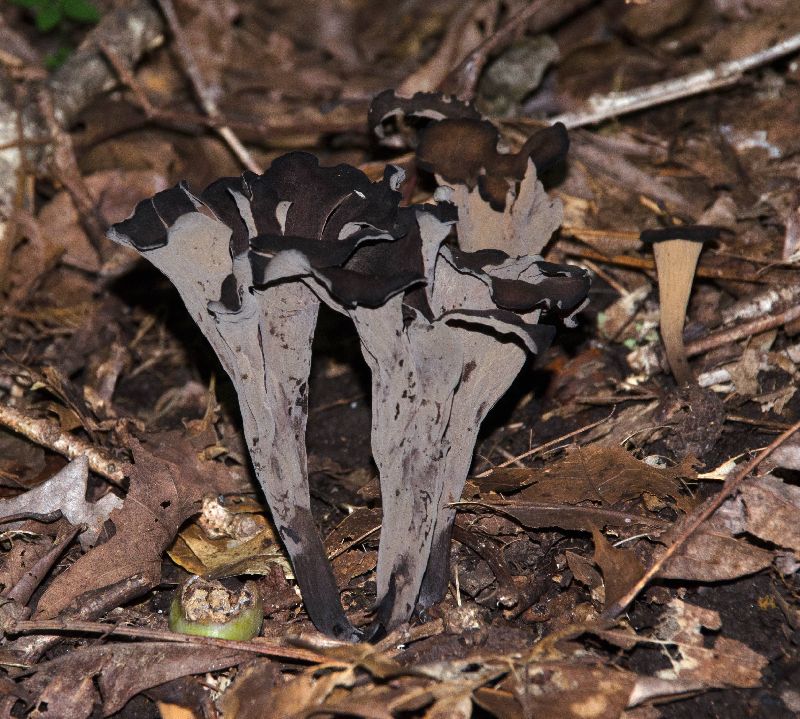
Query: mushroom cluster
[{"x": 444, "y": 327}]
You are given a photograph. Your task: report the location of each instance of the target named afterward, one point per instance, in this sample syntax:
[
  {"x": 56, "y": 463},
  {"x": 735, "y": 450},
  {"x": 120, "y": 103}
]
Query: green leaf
[
  {"x": 56, "y": 59},
  {"x": 80, "y": 11},
  {"x": 48, "y": 17}
]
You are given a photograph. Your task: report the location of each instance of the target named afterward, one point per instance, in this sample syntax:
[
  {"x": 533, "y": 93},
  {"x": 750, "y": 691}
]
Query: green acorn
[{"x": 209, "y": 609}]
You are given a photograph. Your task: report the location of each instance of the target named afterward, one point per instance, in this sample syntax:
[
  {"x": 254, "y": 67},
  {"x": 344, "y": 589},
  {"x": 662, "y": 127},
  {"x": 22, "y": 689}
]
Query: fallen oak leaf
[
  {"x": 713, "y": 555},
  {"x": 66, "y": 492},
  {"x": 167, "y": 484},
  {"x": 533, "y": 515},
  {"x": 606, "y": 474},
  {"x": 120, "y": 672}
]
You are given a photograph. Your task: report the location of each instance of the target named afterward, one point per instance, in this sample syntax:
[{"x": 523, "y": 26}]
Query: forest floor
[{"x": 589, "y": 468}]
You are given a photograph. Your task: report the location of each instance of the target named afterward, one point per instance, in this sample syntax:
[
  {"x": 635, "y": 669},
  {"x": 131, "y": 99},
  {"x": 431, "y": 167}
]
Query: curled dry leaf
[
  {"x": 166, "y": 485},
  {"x": 66, "y": 492}
]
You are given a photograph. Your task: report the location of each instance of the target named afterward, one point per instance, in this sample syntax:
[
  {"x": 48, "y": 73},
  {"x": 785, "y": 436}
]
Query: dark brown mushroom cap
[
  {"x": 493, "y": 293},
  {"x": 692, "y": 233},
  {"x": 323, "y": 199},
  {"x": 527, "y": 285},
  {"x": 465, "y": 151},
  {"x": 147, "y": 227},
  {"x": 365, "y": 268},
  {"x": 388, "y": 111}
]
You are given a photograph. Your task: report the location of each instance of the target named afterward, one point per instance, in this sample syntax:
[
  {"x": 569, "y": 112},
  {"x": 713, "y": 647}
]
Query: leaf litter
[{"x": 102, "y": 364}]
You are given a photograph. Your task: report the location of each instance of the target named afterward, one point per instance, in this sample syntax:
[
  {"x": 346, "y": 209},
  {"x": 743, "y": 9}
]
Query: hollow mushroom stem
[{"x": 676, "y": 251}]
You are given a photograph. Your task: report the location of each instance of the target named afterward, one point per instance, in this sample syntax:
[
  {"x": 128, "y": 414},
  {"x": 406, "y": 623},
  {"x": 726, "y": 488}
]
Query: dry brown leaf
[
  {"x": 254, "y": 682},
  {"x": 356, "y": 524},
  {"x": 500, "y": 704},
  {"x": 728, "y": 663},
  {"x": 21, "y": 461},
  {"x": 621, "y": 568},
  {"x": 584, "y": 570},
  {"x": 115, "y": 191},
  {"x": 120, "y": 671},
  {"x": 713, "y": 556},
  {"x": 601, "y": 474},
  {"x": 456, "y": 706},
  {"x": 771, "y": 511},
  {"x": 574, "y": 690},
  {"x": 353, "y": 564},
  {"x": 167, "y": 483},
  {"x": 196, "y": 553}
]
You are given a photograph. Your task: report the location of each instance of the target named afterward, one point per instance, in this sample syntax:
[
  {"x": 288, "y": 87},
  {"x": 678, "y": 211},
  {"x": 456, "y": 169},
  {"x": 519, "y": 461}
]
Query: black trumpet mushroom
[
  {"x": 262, "y": 335},
  {"x": 444, "y": 327}
]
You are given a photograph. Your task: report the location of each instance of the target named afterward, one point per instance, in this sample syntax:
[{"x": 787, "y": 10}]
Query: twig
[
  {"x": 65, "y": 169},
  {"x": 604, "y": 107},
  {"x": 23, "y": 590},
  {"x": 207, "y": 102},
  {"x": 748, "y": 329},
  {"x": 693, "y": 522},
  {"x": 48, "y": 434},
  {"x": 644, "y": 263},
  {"x": 546, "y": 445},
  {"x": 256, "y": 646},
  {"x": 463, "y": 80},
  {"x": 765, "y": 425}
]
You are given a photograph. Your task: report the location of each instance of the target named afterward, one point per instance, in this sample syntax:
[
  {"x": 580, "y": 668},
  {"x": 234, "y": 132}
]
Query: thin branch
[
  {"x": 34, "y": 576},
  {"x": 202, "y": 91},
  {"x": 255, "y": 646},
  {"x": 739, "y": 332},
  {"x": 49, "y": 434},
  {"x": 693, "y": 522},
  {"x": 546, "y": 445},
  {"x": 64, "y": 165},
  {"x": 645, "y": 263},
  {"x": 614, "y": 104},
  {"x": 537, "y": 16}
]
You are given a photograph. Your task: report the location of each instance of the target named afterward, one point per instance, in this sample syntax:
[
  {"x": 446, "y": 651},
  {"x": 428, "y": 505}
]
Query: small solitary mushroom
[{"x": 676, "y": 251}]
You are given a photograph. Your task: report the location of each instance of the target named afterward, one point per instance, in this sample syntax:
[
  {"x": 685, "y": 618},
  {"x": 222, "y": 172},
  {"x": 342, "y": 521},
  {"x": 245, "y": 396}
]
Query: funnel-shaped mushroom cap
[
  {"x": 441, "y": 356},
  {"x": 676, "y": 251},
  {"x": 388, "y": 112},
  {"x": 465, "y": 152}
]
